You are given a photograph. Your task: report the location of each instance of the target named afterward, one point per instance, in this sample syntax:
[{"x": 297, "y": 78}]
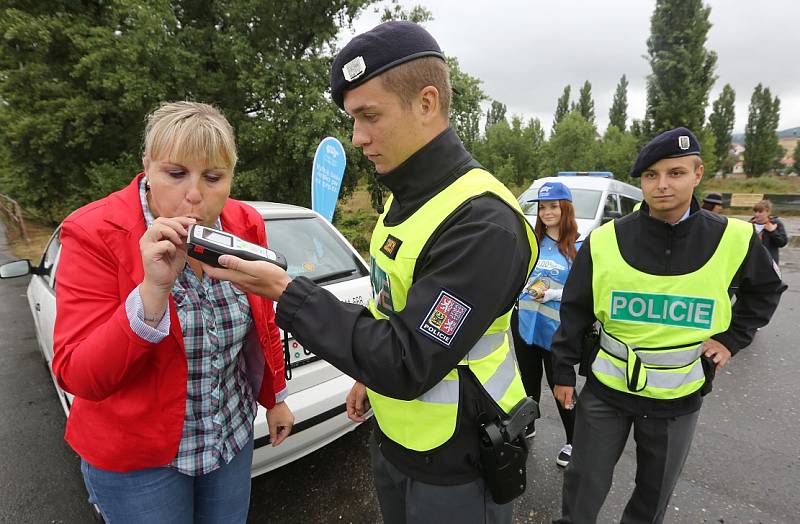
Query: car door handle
[{"x": 38, "y": 307}]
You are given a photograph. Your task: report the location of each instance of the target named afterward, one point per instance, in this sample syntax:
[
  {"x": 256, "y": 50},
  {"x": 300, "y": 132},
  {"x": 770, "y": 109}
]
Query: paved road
[
  {"x": 744, "y": 465},
  {"x": 40, "y": 479}
]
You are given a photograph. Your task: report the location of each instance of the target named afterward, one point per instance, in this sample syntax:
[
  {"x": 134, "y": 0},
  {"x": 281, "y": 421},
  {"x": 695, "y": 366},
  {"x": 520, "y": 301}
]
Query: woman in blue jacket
[{"x": 538, "y": 315}]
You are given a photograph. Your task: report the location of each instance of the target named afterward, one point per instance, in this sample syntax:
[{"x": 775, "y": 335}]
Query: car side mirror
[
  {"x": 611, "y": 215},
  {"x": 18, "y": 268}
]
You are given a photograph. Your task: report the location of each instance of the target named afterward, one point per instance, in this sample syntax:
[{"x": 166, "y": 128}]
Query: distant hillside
[
  {"x": 792, "y": 132},
  {"x": 789, "y": 133}
]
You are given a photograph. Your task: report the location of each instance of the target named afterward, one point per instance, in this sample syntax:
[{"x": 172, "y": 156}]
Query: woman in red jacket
[{"x": 166, "y": 364}]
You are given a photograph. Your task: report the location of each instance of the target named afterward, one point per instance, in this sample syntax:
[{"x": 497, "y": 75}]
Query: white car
[
  {"x": 317, "y": 390},
  {"x": 596, "y": 196}
]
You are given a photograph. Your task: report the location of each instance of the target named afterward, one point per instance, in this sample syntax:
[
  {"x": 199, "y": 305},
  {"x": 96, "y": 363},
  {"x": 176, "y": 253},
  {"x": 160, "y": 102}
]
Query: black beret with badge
[
  {"x": 674, "y": 143},
  {"x": 376, "y": 51},
  {"x": 713, "y": 198}
]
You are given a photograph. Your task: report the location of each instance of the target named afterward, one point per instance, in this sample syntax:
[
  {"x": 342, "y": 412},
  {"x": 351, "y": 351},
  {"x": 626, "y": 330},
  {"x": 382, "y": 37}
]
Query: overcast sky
[{"x": 525, "y": 52}]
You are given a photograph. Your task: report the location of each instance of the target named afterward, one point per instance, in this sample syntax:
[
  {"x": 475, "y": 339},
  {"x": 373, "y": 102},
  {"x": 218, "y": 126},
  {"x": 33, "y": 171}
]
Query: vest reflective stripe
[
  {"x": 503, "y": 377},
  {"x": 668, "y": 380},
  {"x": 430, "y": 420},
  {"x": 487, "y": 345},
  {"x": 542, "y": 309},
  {"x": 651, "y": 341},
  {"x": 445, "y": 392},
  {"x": 673, "y": 357}
]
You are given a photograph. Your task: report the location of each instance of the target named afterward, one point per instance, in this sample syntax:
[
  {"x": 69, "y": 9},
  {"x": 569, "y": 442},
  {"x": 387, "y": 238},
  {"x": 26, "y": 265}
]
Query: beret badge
[{"x": 354, "y": 68}]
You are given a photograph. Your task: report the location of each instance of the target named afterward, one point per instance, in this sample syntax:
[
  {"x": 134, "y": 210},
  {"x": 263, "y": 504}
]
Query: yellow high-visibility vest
[
  {"x": 430, "y": 420},
  {"x": 654, "y": 326}
]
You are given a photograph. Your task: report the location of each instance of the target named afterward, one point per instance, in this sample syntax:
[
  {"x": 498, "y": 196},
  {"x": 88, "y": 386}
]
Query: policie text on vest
[{"x": 671, "y": 310}]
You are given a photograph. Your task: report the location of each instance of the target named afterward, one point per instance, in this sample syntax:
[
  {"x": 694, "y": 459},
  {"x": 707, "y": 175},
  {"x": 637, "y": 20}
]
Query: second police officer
[
  {"x": 659, "y": 281},
  {"x": 449, "y": 257}
]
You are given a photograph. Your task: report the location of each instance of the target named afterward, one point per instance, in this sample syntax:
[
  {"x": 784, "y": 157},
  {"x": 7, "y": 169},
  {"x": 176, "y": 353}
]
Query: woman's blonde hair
[{"x": 178, "y": 131}]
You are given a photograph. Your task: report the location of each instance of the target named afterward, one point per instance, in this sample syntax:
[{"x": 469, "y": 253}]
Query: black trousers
[
  {"x": 404, "y": 500},
  {"x": 531, "y": 360},
  {"x": 601, "y": 431}
]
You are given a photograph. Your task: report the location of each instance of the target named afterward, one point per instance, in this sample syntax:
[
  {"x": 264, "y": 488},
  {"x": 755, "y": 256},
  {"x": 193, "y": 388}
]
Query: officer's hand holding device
[
  {"x": 207, "y": 245},
  {"x": 265, "y": 278}
]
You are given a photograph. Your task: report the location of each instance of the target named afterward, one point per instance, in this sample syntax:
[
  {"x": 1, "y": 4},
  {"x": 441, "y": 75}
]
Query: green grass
[
  {"x": 37, "y": 233},
  {"x": 764, "y": 184}
]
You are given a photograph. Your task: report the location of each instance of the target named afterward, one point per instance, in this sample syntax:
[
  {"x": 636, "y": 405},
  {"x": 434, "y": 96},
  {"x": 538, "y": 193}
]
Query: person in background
[
  {"x": 713, "y": 202},
  {"x": 166, "y": 364},
  {"x": 537, "y": 317},
  {"x": 769, "y": 228}
]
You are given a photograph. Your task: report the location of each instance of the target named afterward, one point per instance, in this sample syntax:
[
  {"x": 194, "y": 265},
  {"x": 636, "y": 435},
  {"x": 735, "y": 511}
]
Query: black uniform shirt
[
  {"x": 657, "y": 248},
  {"x": 480, "y": 255}
]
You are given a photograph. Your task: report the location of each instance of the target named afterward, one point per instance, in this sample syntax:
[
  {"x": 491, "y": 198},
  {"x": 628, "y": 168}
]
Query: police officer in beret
[
  {"x": 659, "y": 282},
  {"x": 712, "y": 202},
  {"x": 449, "y": 256}
]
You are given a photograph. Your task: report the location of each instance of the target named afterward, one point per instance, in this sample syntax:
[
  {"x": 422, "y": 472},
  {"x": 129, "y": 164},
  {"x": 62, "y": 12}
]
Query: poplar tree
[
  {"x": 682, "y": 68},
  {"x": 721, "y": 122},
  {"x": 585, "y": 105},
  {"x": 760, "y": 135},
  {"x": 618, "y": 114},
  {"x": 562, "y": 107},
  {"x": 496, "y": 114}
]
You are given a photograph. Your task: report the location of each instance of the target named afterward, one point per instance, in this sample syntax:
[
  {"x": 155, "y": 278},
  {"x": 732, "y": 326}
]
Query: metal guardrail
[{"x": 11, "y": 208}]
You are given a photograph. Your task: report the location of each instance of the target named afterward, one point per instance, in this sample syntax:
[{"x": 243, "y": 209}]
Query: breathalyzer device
[{"x": 207, "y": 245}]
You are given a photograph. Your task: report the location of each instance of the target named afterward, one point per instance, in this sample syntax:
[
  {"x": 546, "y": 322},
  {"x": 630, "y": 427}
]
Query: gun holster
[
  {"x": 710, "y": 371},
  {"x": 504, "y": 451}
]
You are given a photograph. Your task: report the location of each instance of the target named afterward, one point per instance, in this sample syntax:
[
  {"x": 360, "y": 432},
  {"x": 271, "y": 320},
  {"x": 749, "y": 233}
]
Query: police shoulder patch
[
  {"x": 391, "y": 246},
  {"x": 445, "y": 318}
]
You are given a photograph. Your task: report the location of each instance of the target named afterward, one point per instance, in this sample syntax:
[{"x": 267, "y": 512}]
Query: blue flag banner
[{"x": 326, "y": 176}]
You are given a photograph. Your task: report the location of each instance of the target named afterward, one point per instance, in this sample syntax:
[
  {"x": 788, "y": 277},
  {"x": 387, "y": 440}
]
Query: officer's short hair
[{"x": 408, "y": 79}]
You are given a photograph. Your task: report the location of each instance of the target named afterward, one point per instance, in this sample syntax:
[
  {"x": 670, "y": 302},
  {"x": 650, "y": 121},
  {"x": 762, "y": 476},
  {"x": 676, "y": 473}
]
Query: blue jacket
[{"x": 538, "y": 321}]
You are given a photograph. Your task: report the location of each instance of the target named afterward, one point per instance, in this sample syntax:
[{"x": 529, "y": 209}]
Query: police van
[{"x": 596, "y": 196}]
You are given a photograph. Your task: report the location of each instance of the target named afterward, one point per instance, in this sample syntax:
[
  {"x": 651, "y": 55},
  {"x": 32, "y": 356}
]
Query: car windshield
[
  {"x": 313, "y": 250},
  {"x": 585, "y": 202}
]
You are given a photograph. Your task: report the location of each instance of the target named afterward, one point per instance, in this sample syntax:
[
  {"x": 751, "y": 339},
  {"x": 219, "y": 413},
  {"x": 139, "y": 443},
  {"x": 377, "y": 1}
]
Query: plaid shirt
[{"x": 220, "y": 405}]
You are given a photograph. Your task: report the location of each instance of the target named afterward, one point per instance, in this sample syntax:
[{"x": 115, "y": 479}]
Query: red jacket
[{"x": 130, "y": 394}]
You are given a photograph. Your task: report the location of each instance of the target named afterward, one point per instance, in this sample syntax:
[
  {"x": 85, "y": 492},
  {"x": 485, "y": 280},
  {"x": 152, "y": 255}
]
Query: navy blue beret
[
  {"x": 713, "y": 198},
  {"x": 376, "y": 51},
  {"x": 674, "y": 143}
]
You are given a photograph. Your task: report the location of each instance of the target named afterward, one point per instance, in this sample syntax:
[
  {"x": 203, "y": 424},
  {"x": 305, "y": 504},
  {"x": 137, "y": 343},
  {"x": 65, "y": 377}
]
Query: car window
[
  {"x": 585, "y": 202},
  {"x": 528, "y": 208},
  {"x": 313, "y": 250},
  {"x": 627, "y": 204},
  {"x": 611, "y": 205},
  {"x": 49, "y": 258}
]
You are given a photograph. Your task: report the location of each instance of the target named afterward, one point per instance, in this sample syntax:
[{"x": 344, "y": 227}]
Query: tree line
[
  {"x": 78, "y": 78},
  {"x": 677, "y": 95}
]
